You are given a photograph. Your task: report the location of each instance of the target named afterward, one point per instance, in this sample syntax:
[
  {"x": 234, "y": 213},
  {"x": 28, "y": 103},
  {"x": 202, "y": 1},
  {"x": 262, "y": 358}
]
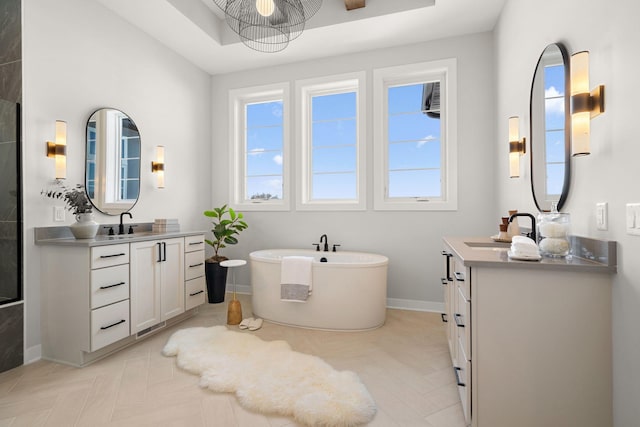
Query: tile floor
[{"x": 405, "y": 365}]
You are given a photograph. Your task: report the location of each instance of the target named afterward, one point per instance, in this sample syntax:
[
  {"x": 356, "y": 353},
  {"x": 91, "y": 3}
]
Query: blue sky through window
[
  {"x": 414, "y": 145},
  {"x": 554, "y": 92},
  {"x": 264, "y": 150}
]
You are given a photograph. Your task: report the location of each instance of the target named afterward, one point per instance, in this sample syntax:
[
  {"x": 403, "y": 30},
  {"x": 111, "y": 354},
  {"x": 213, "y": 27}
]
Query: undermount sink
[{"x": 491, "y": 246}]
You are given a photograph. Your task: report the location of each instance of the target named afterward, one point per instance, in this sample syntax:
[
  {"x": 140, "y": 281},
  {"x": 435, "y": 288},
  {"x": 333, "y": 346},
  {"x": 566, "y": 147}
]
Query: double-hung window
[
  {"x": 259, "y": 148},
  {"x": 330, "y": 114},
  {"x": 415, "y": 137}
]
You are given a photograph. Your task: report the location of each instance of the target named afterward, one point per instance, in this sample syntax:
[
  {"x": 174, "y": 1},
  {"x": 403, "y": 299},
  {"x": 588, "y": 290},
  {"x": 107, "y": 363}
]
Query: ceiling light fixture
[{"x": 268, "y": 25}]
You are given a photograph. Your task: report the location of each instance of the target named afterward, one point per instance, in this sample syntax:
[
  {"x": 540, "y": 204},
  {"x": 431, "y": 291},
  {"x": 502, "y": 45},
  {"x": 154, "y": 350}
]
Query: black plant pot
[{"x": 216, "y": 281}]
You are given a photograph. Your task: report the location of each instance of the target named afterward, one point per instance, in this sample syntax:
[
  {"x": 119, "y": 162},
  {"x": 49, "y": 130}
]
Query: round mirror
[
  {"x": 112, "y": 173},
  {"x": 550, "y": 129}
]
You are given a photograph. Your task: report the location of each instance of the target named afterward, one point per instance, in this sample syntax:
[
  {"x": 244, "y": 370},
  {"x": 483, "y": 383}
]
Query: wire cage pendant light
[{"x": 268, "y": 25}]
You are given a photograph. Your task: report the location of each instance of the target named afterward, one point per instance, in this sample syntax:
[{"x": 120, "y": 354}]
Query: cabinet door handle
[
  {"x": 444, "y": 317},
  {"x": 112, "y": 325},
  {"x": 196, "y": 243},
  {"x": 159, "y": 251},
  {"x": 456, "y": 370},
  {"x": 444, "y": 281},
  {"x": 447, "y": 255},
  {"x": 164, "y": 251},
  {"x": 459, "y": 276},
  {"x": 112, "y": 286},
  {"x": 196, "y": 265},
  {"x": 113, "y": 255},
  {"x": 196, "y": 293},
  {"x": 458, "y": 319}
]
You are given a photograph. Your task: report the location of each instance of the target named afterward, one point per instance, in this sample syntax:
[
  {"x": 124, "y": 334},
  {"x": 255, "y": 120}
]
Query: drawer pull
[
  {"x": 459, "y": 276},
  {"x": 196, "y": 243},
  {"x": 460, "y": 383},
  {"x": 196, "y": 265},
  {"x": 444, "y": 317},
  {"x": 113, "y": 255},
  {"x": 196, "y": 293},
  {"x": 458, "y": 319},
  {"x": 112, "y": 286},
  {"x": 112, "y": 325},
  {"x": 444, "y": 281}
]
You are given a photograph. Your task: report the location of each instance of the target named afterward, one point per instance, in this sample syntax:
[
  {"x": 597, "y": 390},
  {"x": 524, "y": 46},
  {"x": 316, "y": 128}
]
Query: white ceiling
[{"x": 196, "y": 28}]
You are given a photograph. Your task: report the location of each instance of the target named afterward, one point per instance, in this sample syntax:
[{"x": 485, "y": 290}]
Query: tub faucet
[
  {"x": 532, "y": 234},
  {"x": 326, "y": 244},
  {"x": 121, "y": 225}
]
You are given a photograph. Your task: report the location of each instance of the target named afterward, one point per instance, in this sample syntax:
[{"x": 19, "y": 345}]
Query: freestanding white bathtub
[{"x": 349, "y": 290}]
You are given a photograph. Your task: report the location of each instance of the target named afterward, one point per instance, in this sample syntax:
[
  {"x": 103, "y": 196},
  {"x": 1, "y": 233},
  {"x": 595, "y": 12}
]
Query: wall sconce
[
  {"x": 517, "y": 147},
  {"x": 58, "y": 149},
  {"x": 585, "y": 105},
  {"x": 158, "y": 165}
]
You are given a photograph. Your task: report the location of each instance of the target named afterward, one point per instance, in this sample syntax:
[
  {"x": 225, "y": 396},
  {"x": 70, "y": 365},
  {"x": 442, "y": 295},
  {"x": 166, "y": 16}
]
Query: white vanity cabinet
[
  {"x": 100, "y": 295},
  {"x": 157, "y": 282},
  {"x": 532, "y": 341}
]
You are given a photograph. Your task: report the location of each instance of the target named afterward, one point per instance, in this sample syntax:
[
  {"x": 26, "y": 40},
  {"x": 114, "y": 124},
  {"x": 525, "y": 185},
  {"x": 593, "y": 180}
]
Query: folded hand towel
[
  {"x": 295, "y": 278},
  {"x": 523, "y": 241}
]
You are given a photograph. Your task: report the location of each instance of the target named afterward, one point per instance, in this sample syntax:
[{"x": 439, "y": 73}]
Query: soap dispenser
[{"x": 514, "y": 227}]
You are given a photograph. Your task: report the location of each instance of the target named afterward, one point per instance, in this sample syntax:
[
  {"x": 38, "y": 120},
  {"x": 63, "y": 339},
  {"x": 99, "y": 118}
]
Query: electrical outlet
[
  {"x": 602, "y": 217},
  {"x": 58, "y": 213}
]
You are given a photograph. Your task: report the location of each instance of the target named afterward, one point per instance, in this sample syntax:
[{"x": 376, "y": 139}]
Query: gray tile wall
[{"x": 11, "y": 316}]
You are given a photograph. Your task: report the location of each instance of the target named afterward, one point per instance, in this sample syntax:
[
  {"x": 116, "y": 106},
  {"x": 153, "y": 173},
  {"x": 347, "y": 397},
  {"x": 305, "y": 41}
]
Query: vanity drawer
[
  {"x": 109, "y": 324},
  {"x": 463, "y": 378},
  {"x": 462, "y": 279},
  {"x": 195, "y": 292},
  {"x": 194, "y": 243},
  {"x": 109, "y": 255},
  {"x": 109, "y": 285},
  {"x": 193, "y": 265},
  {"x": 462, "y": 318}
]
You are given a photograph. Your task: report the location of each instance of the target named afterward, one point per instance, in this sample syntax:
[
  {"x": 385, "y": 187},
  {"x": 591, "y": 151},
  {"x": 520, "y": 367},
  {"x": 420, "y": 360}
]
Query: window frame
[
  {"x": 238, "y": 99},
  {"x": 327, "y": 85},
  {"x": 445, "y": 72}
]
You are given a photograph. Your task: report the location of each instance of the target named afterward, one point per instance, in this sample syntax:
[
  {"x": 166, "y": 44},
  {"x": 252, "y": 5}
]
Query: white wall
[
  {"x": 411, "y": 240},
  {"x": 609, "y": 30},
  {"x": 78, "y": 57}
]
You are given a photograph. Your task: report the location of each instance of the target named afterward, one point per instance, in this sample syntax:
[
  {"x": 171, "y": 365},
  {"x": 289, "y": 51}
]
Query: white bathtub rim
[{"x": 274, "y": 256}]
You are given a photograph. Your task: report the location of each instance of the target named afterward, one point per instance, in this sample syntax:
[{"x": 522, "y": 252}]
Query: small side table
[{"x": 234, "y": 310}]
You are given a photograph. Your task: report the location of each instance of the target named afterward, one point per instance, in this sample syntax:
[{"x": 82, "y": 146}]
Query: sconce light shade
[
  {"x": 58, "y": 149},
  {"x": 517, "y": 147},
  {"x": 584, "y": 104},
  {"x": 158, "y": 166}
]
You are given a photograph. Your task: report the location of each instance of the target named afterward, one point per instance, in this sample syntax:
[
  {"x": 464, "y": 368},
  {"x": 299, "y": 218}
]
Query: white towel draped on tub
[{"x": 295, "y": 278}]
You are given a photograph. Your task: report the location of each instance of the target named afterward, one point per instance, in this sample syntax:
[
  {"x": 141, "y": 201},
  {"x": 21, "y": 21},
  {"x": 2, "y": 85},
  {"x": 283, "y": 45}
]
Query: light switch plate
[
  {"x": 633, "y": 218},
  {"x": 58, "y": 213},
  {"x": 602, "y": 216}
]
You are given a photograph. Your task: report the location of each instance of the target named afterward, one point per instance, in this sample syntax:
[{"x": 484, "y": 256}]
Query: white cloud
[
  {"x": 425, "y": 140},
  {"x": 256, "y": 151},
  {"x": 556, "y": 104},
  {"x": 277, "y": 159}
]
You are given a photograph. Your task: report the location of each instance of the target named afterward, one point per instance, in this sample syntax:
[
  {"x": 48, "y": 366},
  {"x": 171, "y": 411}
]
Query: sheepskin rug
[{"x": 269, "y": 377}]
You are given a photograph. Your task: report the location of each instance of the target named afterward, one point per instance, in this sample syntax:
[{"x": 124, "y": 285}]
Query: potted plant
[
  {"x": 76, "y": 201},
  {"x": 227, "y": 224}
]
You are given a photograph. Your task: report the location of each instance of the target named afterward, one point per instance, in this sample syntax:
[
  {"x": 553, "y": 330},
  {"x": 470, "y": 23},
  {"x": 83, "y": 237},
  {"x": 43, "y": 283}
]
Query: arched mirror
[
  {"x": 112, "y": 173},
  {"x": 550, "y": 129}
]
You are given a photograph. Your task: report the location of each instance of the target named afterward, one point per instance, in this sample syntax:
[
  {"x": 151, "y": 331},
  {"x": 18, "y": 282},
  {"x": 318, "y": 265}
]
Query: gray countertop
[
  {"x": 61, "y": 236},
  {"x": 597, "y": 255}
]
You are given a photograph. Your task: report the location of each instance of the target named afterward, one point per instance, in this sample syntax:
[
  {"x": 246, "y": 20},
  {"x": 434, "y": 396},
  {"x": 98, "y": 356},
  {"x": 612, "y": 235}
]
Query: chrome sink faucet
[
  {"x": 532, "y": 234},
  {"x": 121, "y": 226}
]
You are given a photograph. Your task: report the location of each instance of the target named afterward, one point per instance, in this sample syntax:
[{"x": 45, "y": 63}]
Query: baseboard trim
[
  {"x": 398, "y": 303},
  {"x": 415, "y": 305},
  {"x": 32, "y": 354}
]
